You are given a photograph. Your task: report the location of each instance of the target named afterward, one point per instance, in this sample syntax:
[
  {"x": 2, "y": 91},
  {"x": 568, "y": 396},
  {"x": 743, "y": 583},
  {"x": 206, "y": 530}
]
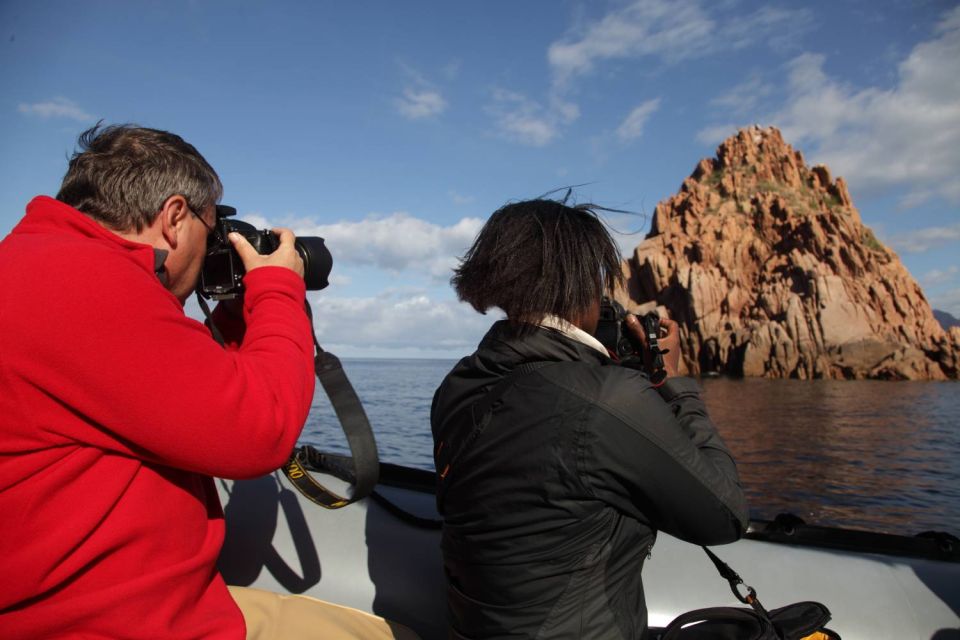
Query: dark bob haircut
[{"x": 539, "y": 257}]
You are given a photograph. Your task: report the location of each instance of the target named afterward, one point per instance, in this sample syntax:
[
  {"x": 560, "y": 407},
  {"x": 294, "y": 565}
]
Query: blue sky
[{"x": 394, "y": 129}]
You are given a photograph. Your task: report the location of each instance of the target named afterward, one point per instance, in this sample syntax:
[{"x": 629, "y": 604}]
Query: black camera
[
  {"x": 223, "y": 271},
  {"x": 612, "y": 332}
]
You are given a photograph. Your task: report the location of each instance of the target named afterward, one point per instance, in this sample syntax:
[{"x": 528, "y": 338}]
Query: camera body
[
  {"x": 612, "y": 332},
  {"x": 222, "y": 275}
]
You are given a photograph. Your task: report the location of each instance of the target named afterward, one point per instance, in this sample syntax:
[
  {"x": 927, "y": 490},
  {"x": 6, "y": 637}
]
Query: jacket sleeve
[
  {"x": 656, "y": 455},
  {"x": 130, "y": 373},
  {"x": 229, "y": 321}
]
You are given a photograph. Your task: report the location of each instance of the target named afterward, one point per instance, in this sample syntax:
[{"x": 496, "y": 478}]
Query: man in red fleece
[{"x": 116, "y": 409}]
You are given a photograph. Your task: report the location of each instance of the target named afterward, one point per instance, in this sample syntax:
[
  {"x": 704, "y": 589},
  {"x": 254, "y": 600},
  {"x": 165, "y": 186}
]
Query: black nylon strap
[
  {"x": 735, "y": 581},
  {"x": 213, "y": 328},
  {"x": 356, "y": 426}
]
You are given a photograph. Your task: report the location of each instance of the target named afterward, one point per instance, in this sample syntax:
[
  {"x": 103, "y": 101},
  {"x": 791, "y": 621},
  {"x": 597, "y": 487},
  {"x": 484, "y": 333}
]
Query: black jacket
[{"x": 552, "y": 506}]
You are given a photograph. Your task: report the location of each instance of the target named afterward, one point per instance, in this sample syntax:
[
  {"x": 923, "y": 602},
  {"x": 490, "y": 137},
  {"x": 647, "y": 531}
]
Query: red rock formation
[{"x": 767, "y": 267}]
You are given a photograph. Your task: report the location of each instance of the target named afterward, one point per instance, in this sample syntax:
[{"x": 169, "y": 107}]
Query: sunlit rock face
[{"x": 770, "y": 272}]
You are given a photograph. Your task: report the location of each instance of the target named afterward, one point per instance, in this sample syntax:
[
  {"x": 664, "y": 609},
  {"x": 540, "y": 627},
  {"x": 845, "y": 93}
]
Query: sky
[{"x": 393, "y": 130}]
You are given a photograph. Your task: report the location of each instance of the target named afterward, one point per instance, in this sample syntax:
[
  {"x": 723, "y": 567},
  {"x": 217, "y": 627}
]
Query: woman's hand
[{"x": 668, "y": 341}]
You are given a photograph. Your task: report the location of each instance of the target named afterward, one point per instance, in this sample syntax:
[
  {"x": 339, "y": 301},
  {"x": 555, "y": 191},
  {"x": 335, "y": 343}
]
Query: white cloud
[
  {"x": 948, "y": 301},
  {"x": 744, "y": 97},
  {"x": 520, "y": 119},
  {"x": 778, "y": 28},
  {"x": 669, "y": 30},
  {"x": 940, "y": 276},
  {"x": 916, "y": 198},
  {"x": 393, "y": 324},
  {"x": 451, "y": 70},
  {"x": 717, "y": 133},
  {"x": 906, "y": 136},
  {"x": 632, "y": 127},
  {"x": 396, "y": 242},
  {"x": 407, "y": 322},
  {"x": 56, "y": 108},
  {"x": 673, "y": 31},
  {"x": 921, "y": 240},
  {"x": 565, "y": 112},
  {"x": 420, "y": 97},
  {"x": 421, "y": 103},
  {"x": 459, "y": 198},
  {"x": 258, "y": 220},
  {"x": 340, "y": 280}
]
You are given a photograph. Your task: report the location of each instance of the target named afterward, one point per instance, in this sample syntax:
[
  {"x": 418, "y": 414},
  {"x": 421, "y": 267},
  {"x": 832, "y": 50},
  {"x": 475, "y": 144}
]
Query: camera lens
[{"x": 317, "y": 262}]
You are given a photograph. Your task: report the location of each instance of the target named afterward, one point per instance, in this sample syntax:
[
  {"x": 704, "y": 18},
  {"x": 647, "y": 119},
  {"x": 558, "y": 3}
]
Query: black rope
[{"x": 403, "y": 514}]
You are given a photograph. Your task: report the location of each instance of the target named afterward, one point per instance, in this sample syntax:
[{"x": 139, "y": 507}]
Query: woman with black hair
[{"x": 556, "y": 467}]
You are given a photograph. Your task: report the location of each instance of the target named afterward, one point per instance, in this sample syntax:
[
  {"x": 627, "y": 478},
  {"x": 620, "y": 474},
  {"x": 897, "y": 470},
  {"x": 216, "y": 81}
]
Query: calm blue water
[{"x": 881, "y": 456}]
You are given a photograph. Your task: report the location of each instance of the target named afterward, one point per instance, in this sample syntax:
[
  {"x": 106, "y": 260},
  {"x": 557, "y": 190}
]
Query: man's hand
[
  {"x": 285, "y": 256},
  {"x": 669, "y": 341}
]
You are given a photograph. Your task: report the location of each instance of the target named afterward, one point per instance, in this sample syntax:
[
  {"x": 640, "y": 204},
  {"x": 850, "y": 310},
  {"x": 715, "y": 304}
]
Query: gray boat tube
[{"x": 368, "y": 557}]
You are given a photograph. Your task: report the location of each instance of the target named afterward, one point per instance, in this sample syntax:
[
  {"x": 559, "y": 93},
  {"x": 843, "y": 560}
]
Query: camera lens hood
[{"x": 317, "y": 262}]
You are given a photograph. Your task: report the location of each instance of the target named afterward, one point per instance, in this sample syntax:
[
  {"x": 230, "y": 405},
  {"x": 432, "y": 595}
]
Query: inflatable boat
[{"x": 382, "y": 554}]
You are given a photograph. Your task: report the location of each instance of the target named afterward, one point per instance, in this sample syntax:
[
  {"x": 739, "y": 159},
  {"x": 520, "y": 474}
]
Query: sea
[{"x": 871, "y": 455}]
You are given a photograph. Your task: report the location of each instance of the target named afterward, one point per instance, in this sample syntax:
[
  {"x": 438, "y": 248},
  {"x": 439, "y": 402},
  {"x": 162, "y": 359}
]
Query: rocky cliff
[
  {"x": 945, "y": 319},
  {"x": 769, "y": 270}
]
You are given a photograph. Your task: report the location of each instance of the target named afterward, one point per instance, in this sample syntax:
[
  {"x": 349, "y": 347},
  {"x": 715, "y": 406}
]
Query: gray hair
[{"x": 123, "y": 174}]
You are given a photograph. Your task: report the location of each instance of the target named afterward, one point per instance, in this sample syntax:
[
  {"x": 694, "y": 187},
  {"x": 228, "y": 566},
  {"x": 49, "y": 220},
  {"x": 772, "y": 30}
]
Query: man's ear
[{"x": 172, "y": 216}]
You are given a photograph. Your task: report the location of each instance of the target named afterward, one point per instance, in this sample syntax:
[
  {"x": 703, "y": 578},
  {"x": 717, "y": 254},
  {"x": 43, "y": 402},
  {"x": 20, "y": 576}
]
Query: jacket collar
[
  {"x": 502, "y": 349},
  {"x": 573, "y": 332},
  {"x": 46, "y": 215}
]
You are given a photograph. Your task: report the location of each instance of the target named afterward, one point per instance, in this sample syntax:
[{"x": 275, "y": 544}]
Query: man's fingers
[
  {"x": 285, "y": 256},
  {"x": 244, "y": 249},
  {"x": 286, "y": 236}
]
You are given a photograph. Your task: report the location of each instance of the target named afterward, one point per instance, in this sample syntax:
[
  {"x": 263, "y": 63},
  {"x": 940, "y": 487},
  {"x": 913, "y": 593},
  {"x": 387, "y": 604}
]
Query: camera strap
[
  {"x": 365, "y": 462},
  {"x": 798, "y": 621},
  {"x": 356, "y": 426}
]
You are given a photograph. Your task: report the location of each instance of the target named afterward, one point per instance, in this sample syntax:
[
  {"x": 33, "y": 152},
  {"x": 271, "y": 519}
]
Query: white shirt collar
[{"x": 573, "y": 332}]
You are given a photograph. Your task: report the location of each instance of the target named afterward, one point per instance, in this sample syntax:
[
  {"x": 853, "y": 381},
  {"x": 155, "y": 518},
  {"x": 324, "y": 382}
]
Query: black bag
[
  {"x": 799, "y": 621},
  {"x": 792, "y": 622}
]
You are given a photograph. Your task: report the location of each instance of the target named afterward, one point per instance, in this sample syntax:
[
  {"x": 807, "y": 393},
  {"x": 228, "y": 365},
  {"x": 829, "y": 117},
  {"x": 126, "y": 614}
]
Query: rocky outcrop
[
  {"x": 768, "y": 269},
  {"x": 945, "y": 319}
]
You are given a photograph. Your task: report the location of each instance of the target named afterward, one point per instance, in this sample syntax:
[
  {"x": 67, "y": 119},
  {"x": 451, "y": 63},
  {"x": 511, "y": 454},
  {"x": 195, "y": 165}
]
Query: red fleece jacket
[{"x": 115, "y": 411}]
